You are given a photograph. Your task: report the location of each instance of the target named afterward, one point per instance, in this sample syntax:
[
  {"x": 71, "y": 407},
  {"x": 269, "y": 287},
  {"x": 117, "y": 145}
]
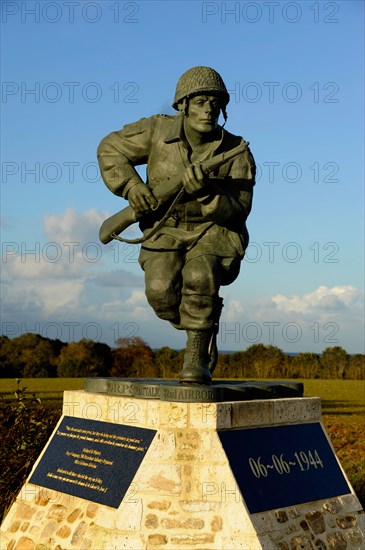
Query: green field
[
  {"x": 340, "y": 397},
  {"x": 47, "y": 389},
  {"x": 42, "y": 384}
]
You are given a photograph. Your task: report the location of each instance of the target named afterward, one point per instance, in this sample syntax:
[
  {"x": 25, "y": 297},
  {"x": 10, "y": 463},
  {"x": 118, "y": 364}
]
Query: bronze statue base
[{"x": 171, "y": 390}]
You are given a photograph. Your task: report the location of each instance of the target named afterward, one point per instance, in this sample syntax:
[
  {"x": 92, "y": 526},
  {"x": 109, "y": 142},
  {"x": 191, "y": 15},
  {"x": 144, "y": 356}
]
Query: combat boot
[
  {"x": 196, "y": 359},
  {"x": 212, "y": 348}
]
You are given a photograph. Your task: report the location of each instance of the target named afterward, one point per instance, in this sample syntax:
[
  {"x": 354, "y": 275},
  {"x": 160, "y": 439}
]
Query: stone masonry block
[
  {"x": 346, "y": 522},
  {"x": 163, "y": 446},
  {"x": 336, "y": 541},
  {"x": 157, "y": 540},
  {"x": 159, "y": 505},
  {"x": 25, "y": 543},
  {"x": 187, "y": 523},
  {"x": 161, "y": 479},
  {"x": 295, "y": 410},
  {"x": 252, "y": 413},
  {"x": 184, "y": 540},
  {"x": 316, "y": 522},
  {"x": 174, "y": 415},
  {"x": 210, "y": 416}
]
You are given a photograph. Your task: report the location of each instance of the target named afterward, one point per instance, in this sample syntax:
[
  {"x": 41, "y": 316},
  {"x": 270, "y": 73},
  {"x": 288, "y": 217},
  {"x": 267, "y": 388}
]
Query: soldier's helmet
[{"x": 200, "y": 80}]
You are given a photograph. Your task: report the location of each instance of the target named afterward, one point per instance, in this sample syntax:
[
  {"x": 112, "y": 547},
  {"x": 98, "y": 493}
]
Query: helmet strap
[
  {"x": 225, "y": 116},
  {"x": 183, "y": 107}
]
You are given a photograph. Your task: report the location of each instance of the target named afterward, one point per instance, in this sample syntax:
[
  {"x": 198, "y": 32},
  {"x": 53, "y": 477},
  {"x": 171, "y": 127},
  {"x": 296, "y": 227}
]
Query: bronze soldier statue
[{"x": 194, "y": 244}]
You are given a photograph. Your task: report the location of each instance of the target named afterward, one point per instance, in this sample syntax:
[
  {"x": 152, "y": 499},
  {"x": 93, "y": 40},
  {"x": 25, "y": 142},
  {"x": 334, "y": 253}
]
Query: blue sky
[{"x": 74, "y": 71}]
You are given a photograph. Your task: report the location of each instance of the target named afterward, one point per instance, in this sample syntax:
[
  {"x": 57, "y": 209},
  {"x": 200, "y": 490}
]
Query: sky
[{"x": 72, "y": 72}]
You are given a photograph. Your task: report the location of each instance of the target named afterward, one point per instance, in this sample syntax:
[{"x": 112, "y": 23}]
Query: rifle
[{"x": 114, "y": 225}]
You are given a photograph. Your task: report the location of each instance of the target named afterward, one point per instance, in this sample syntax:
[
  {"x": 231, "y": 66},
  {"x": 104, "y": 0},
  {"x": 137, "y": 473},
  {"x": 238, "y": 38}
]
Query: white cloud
[
  {"x": 323, "y": 300},
  {"x": 67, "y": 276},
  {"x": 138, "y": 302},
  {"x": 118, "y": 278},
  {"x": 137, "y": 299},
  {"x": 312, "y": 321},
  {"x": 72, "y": 226},
  {"x": 343, "y": 302},
  {"x": 134, "y": 306},
  {"x": 232, "y": 310}
]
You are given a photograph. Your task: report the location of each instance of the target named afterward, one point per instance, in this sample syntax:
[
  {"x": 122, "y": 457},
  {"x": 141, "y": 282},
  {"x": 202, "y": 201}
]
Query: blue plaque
[
  {"x": 93, "y": 460},
  {"x": 283, "y": 465}
]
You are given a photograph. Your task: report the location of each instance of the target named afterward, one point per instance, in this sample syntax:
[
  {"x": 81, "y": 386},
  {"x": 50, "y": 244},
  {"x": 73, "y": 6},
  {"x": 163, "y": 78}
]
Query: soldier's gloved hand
[
  {"x": 194, "y": 179},
  {"x": 141, "y": 198}
]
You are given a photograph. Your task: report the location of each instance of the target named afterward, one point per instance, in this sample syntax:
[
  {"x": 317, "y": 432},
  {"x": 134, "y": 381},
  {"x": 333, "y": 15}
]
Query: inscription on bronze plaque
[{"x": 93, "y": 460}]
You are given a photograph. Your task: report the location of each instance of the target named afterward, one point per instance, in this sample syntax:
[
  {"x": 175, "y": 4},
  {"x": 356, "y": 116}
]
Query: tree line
[{"x": 34, "y": 356}]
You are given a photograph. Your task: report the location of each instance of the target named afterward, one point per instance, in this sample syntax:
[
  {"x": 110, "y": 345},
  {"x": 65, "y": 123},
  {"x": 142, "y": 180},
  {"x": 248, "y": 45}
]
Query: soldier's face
[{"x": 203, "y": 112}]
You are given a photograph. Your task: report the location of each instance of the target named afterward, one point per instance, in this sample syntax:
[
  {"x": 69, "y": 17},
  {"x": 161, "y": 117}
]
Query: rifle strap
[
  {"x": 211, "y": 165},
  {"x": 157, "y": 228}
]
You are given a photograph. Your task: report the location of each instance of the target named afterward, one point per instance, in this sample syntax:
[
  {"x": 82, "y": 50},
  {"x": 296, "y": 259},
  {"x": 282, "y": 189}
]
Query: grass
[
  {"x": 339, "y": 397},
  {"x": 42, "y": 384},
  {"x": 47, "y": 389}
]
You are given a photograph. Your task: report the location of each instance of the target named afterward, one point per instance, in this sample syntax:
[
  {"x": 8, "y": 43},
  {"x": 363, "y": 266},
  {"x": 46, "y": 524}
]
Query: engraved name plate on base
[{"x": 93, "y": 460}]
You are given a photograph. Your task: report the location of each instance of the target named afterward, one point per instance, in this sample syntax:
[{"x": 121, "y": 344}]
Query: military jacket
[{"x": 159, "y": 142}]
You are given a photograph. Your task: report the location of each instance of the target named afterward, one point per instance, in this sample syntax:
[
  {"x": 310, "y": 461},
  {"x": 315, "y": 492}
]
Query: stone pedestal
[{"x": 184, "y": 494}]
